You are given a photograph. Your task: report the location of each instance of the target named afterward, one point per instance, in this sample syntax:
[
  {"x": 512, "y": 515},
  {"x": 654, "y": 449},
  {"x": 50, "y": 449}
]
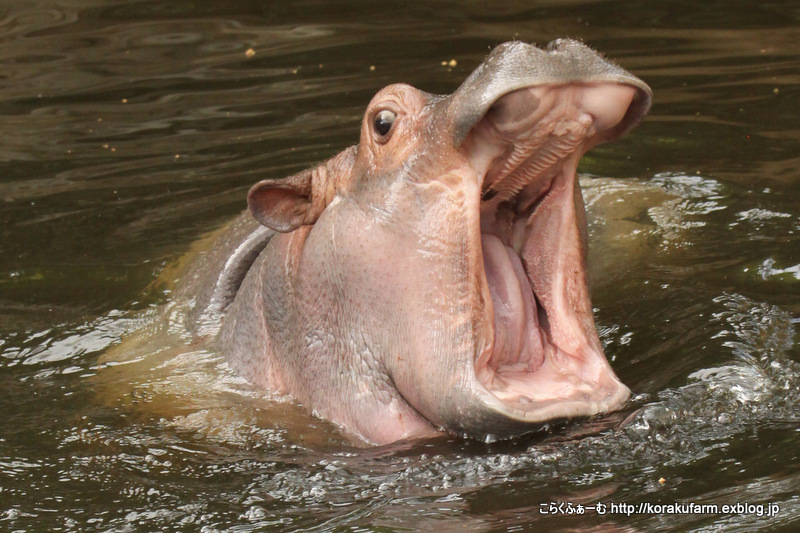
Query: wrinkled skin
[{"x": 432, "y": 277}]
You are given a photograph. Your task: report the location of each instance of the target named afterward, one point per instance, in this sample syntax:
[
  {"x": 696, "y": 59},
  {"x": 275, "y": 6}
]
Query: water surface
[{"x": 132, "y": 128}]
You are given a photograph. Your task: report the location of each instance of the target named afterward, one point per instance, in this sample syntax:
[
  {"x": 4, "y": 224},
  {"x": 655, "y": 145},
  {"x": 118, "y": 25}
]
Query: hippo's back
[{"x": 216, "y": 270}]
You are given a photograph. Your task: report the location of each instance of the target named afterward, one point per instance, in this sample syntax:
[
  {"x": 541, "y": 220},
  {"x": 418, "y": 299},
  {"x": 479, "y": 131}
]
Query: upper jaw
[
  {"x": 529, "y": 134},
  {"x": 517, "y": 65},
  {"x": 529, "y": 143},
  {"x": 525, "y": 112}
]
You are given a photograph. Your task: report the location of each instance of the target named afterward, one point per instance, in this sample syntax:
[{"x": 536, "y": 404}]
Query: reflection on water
[{"x": 130, "y": 128}]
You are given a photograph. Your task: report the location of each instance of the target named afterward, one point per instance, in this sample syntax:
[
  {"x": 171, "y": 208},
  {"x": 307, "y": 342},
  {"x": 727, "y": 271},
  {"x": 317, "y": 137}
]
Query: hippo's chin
[{"x": 542, "y": 359}]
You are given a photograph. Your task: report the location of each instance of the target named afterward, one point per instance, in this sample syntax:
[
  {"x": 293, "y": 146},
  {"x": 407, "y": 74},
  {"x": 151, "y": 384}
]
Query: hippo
[{"x": 431, "y": 278}]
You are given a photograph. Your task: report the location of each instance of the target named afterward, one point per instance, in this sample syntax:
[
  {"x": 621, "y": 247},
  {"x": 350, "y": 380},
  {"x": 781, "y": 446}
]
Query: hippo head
[{"x": 448, "y": 248}]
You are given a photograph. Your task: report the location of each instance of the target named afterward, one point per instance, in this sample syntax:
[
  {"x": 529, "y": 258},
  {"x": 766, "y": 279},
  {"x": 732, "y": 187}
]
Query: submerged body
[{"x": 433, "y": 276}]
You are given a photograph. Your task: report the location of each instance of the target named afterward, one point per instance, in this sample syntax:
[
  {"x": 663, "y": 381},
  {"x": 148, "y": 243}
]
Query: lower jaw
[
  {"x": 526, "y": 377},
  {"x": 491, "y": 415},
  {"x": 519, "y": 402}
]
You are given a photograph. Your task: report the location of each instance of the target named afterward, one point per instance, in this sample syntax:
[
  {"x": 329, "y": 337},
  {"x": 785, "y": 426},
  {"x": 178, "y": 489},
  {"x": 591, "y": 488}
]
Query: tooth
[{"x": 549, "y": 153}]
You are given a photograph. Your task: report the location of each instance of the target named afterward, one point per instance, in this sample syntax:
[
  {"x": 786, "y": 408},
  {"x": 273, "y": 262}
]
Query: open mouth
[{"x": 543, "y": 360}]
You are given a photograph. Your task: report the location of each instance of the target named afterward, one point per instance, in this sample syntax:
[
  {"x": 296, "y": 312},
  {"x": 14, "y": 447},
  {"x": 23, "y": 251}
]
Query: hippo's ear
[{"x": 284, "y": 204}]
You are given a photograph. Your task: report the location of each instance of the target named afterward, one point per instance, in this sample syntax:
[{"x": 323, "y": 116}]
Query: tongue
[{"x": 518, "y": 343}]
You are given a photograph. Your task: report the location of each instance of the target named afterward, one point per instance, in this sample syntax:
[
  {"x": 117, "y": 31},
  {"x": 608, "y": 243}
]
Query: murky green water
[{"x": 128, "y": 129}]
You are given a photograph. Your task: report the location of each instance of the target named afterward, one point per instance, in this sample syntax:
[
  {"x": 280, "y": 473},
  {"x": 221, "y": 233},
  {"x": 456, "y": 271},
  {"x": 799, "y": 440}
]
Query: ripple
[{"x": 98, "y": 101}]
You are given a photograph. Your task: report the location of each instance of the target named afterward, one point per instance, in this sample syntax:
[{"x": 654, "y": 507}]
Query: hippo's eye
[{"x": 383, "y": 122}]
